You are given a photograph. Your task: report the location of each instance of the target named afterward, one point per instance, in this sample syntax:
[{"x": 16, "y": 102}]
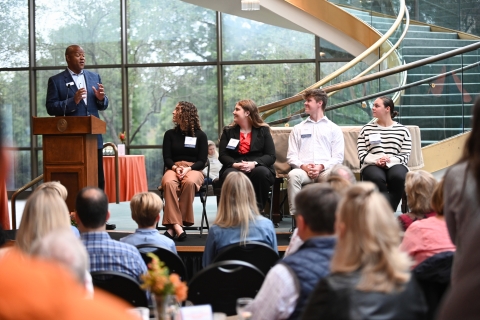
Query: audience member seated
[
  {"x": 340, "y": 179},
  {"x": 64, "y": 248},
  {"x": 247, "y": 146},
  {"x": 462, "y": 192},
  {"x": 44, "y": 212},
  {"x": 238, "y": 219},
  {"x": 428, "y": 237},
  {"x": 91, "y": 214},
  {"x": 215, "y": 164},
  {"x": 185, "y": 150},
  {"x": 62, "y": 191},
  {"x": 36, "y": 289},
  {"x": 370, "y": 276},
  {"x": 314, "y": 146},
  {"x": 146, "y": 208},
  {"x": 384, "y": 148},
  {"x": 419, "y": 186},
  {"x": 288, "y": 284}
]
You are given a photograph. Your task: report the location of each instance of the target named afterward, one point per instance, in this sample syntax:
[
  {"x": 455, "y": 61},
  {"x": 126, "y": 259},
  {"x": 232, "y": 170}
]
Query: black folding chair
[
  {"x": 171, "y": 260},
  {"x": 222, "y": 283},
  {"x": 257, "y": 253},
  {"x": 122, "y": 286},
  {"x": 202, "y": 194}
]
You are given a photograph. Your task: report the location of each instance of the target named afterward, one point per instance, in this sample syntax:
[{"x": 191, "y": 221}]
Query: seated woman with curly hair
[{"x": 185, "y": 151}]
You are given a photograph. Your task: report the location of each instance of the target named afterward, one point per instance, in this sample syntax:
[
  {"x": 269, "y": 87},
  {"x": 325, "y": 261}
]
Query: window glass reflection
[
  {"x": 170, "y": 31},
  {"x": 94, "y": 25},
  {"x": 245, "y": 39}
]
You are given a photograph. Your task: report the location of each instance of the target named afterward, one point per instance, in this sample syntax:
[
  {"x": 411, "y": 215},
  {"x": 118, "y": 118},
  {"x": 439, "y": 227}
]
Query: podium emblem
[{"x": 62, "y": 125}]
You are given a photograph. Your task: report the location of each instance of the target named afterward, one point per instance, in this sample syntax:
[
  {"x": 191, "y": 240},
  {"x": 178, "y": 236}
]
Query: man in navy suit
[{"x": 78, "y": 92}]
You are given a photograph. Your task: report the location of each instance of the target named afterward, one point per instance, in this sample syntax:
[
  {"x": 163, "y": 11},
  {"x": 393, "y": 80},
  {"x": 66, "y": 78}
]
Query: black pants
[
  {"x": 261, "y": 179},
  {"x": 101, "y": 177},
  {"x": 390, "y": 181}
]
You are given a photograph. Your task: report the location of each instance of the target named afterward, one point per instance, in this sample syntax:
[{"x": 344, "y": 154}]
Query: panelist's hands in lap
[
  {"x": 313, "y": 170},
  {"x": 182, "y": 171},
  {"x": 245, "y": 166},
  {"x": 382, "y": 162}
]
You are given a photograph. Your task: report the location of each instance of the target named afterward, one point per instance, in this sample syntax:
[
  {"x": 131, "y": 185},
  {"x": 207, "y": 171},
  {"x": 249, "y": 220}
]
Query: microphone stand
[{"x": 66, "y": 101}]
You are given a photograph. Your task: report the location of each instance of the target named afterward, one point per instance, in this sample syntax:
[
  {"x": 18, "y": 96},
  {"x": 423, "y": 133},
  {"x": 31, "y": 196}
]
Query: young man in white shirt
[{"x": 315, "y": 145}]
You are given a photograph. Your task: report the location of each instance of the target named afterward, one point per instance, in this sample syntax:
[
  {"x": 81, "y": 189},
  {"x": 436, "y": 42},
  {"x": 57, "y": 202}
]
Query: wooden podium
[{"x": 70, "y": 151}]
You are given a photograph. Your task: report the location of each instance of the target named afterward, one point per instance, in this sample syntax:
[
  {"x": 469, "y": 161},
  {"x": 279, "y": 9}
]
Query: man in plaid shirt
[{"x": 91, "y": 213}]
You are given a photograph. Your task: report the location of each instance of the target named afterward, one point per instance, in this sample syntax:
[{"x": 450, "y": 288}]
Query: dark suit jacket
[
  {"x": 262, "y": 148},
  {"x": 58, "y": 105}
]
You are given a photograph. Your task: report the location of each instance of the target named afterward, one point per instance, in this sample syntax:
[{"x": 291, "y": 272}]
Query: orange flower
[
  {"x": 159, "y": 280},
  {"x": 122, "y": 136}
]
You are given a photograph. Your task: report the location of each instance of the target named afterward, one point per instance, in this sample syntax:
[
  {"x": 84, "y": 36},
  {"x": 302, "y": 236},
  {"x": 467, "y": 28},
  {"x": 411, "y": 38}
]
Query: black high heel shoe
[
  {"x": 168, "y": 235},
  {"x": 182, "y": 236}
]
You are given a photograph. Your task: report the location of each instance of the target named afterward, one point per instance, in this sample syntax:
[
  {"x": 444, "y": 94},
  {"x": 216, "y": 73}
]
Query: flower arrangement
[
  {"x": 122, "y": 136},
  {"x": 159, "y": 281}
]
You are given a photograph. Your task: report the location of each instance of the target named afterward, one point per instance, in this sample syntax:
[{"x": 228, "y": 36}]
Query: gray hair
[
  {"x": 64, "y": 248},
  {"x": 342, "y": 171}
]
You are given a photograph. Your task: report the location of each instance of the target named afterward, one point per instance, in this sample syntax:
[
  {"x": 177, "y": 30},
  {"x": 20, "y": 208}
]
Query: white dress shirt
[
  {"x": 277, "y": 297},
  {"x": 319, "y": 142},
  {"x": 79, "y": 82}
]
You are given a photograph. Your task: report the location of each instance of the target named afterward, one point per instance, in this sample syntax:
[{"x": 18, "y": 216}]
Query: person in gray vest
[{"x": 288, "y": 284}]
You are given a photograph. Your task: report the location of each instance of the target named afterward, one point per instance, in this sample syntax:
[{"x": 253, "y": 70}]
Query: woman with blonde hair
[
  {"x": 370, "y": 276},
  {"x": 44, "y": 212},
  {"x": 238, "y": 219},
  {"x": 247, "y": 146},
  {"x": 215, "y": 164},
  {"x": 419, "y": 186},
  {"x": 62, "y": 191}
]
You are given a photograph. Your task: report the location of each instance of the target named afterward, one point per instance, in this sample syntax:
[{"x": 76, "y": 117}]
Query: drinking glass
[{"x": 241, "y": 312}]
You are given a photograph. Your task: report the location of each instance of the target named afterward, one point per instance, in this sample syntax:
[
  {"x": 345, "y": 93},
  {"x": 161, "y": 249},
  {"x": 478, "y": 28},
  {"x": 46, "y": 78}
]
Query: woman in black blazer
[{"x": 247, "y": 146}]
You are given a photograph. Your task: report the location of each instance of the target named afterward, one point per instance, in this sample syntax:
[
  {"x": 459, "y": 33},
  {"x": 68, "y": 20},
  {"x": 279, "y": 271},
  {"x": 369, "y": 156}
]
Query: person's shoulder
[
  {"x": 59, "y": 75},
  {"x": 90, "y": 73},
  {"x": 200, "y": 133},
  {"x": 264, "y": 221}
]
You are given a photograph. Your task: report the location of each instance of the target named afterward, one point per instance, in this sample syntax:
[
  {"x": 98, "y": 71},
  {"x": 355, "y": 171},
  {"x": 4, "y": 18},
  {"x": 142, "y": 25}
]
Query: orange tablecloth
[{"x": 132, "y": 176}]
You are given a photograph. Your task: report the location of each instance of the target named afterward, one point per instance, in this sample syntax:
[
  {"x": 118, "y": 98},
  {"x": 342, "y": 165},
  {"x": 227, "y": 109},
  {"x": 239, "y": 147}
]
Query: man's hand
[
  {"x": 100, "y": 93},
  {"x": 79, "y": 95},
  {"x": 312, "y": 170}
]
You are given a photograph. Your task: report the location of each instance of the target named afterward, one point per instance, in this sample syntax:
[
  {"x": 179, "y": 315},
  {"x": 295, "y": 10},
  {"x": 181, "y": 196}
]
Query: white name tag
[
  {"x": 232, "y": 144},
  {"x": 190, "y": 142},
  {"x": 306, "y": 133},
  {"x": 375, "y": 138}
]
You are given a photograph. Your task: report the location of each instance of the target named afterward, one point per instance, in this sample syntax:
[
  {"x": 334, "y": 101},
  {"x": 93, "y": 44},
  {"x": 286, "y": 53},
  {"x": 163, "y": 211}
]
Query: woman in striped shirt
[{"x": 384, "y": 147}]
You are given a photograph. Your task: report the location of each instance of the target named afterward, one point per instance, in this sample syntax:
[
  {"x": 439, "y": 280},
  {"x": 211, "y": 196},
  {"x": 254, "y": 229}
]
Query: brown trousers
[{"x": 179, "y": 195}]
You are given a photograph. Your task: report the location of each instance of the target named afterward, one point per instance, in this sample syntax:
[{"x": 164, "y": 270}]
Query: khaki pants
[{"x": 179, "y": 195}]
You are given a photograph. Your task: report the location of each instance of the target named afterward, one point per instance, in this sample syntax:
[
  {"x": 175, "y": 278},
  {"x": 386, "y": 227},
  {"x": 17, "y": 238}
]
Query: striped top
[{"x": 395, "y": 142}]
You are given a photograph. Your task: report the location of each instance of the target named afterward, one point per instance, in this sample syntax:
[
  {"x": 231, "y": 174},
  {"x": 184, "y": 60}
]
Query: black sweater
[{"x": 174, "y": 149}]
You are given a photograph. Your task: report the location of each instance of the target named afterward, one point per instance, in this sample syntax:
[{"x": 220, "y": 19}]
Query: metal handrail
[
  {"x": 117, "y": 180},
  {"x": 347, "y": 66},
  {"x": 16, "y": 193},
  {"x": 378, "y": 75},
  {"x": 379, "y": 94}
]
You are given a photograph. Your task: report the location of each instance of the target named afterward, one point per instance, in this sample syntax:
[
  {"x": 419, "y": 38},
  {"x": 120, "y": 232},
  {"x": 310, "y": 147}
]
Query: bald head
[
  {"x": 91, "y": 206},
  {"x": 75, "y": 57}
]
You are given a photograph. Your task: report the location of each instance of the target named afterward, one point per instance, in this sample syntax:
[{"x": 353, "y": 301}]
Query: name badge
[
  {"x": 375, "y": 138},
  {"x": 306, "y": 133},
  {"x": 190, "y": 142},
  {"x": 232, "y": 144}
]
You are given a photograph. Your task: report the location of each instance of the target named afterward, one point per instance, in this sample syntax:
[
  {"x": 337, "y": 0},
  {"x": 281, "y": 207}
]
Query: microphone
[{"x": 66, "y": 101}]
